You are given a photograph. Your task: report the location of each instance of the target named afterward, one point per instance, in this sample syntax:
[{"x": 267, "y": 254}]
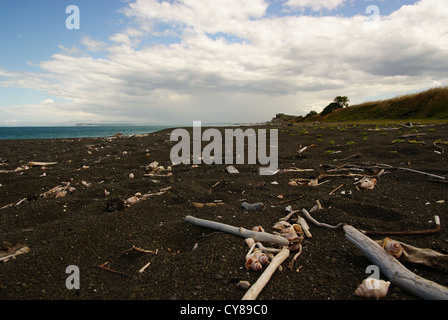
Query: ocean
[{"x": 20, "y": 133}]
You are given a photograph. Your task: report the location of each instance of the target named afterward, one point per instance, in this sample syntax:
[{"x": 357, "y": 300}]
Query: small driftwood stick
[
  {"x": 398, "y": 274},
  {"x": 406, "y": 233},
  {"x": 319, "y": 224},
  {"x": 241, "y": 232},
  {"x": 424, "y": 173},
  {"x": 258, "y": 286},
  {"x": 305, "y": 226}
]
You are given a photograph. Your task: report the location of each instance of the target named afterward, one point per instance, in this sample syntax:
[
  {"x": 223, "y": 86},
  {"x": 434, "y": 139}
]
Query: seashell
[
  {"x": 280, "y": 225},
  {"x": 261, "y": 256},
  {"x": 106, "y": 193},
  {"x": 71, "y": 189},
  {"x": 258, "y": 229},
  {"x": 131, "y": 201},
  {"x": 253, "y": 264},
  {"x": 197, "y": 205},
  {"x": 86, "y": 184},
  {"x": 368, "y": 183},
  {"x": 131, "y": 176},
  {"x": 61, "y": 194},
  {"x": 313, "y": 183},
  {"x": 297, "y": 228},
  {"x": 292, "y": 183},
  {"x": 244, "y": 285},
  {"x": 372, "y": 288},
  {"x": 392, "y": 247}
]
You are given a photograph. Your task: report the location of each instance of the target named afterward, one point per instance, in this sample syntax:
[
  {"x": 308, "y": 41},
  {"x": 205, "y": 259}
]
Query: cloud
[
  {"x": 315, "y": 5},
  {"x": 231, "y": 62}
]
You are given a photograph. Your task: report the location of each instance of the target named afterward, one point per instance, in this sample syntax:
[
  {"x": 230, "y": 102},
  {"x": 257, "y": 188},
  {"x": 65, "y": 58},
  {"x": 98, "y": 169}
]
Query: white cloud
[
  {"x": 276, "y": 64},
  {"x": 315, "y": 5}
]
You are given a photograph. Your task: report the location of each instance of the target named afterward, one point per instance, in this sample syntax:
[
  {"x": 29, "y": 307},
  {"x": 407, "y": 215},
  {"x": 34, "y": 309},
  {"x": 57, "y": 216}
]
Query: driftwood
[
  {"x": 241, "y": 232},
  {"x": 426, "y": 257},
  {"x": 406, "y": 233},
  {"x": 424, "y": 173},
  {"x": 258, "y": 286},
  {"x": 398, "y": 274},
  {"x": 320, "y": 224},
  {"x": 12, "y": 252}
]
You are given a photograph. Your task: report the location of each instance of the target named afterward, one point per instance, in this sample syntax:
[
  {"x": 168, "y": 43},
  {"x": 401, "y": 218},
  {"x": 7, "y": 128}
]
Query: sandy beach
[{"x": 110, "y": 243}]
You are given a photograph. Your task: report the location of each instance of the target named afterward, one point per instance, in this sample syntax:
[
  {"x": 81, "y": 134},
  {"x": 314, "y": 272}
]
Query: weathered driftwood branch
[
  {"x": 241, "y": 232},
  {"x": 258, "y": 286},
  {"x": 319, "y": 224},
  {"x": 398, "y": 274},
  {"x": 424, "y": 173},
  {"x": 406, "y": 233}
]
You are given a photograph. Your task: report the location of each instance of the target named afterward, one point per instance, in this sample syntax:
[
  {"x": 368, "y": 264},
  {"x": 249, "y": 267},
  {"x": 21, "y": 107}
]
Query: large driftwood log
[
  {"x": 241, "y": 232},
  {"x": 398, "y": 274},
  {"x": 258, "y": 286}
]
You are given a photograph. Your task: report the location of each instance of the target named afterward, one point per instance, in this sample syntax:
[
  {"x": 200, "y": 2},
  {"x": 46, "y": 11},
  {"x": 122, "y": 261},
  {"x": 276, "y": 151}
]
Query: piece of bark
[
  {"x": 241, "y": 232},
  {"x": 258, "y": 286},
  {"x": 398, "y": 274}
]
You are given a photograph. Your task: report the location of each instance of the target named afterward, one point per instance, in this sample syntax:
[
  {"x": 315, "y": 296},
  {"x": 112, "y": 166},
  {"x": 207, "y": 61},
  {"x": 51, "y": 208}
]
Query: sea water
[{"x": 20, "y": 133}]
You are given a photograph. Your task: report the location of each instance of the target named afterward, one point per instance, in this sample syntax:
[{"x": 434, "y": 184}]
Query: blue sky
[{"x": 163, "y": 62}]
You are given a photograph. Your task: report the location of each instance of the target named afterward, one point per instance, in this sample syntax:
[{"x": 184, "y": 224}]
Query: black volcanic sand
[{"x": 77, "y": 230}]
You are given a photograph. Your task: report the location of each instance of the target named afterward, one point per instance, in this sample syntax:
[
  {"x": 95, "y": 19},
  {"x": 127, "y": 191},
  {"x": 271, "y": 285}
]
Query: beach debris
[
  {"x": 131, "y": 176},
  {"x": 9, "y": 251},
  {"x": 41, "y": 164},
  {"x": 293, "y": 260},
  {"x": 289, "y": 201},
  {"x": 437, "y": 142},
  {"x": 320, "y": 224},
  {"x": 106, "y": 193},
  {"x": 317, "y": 206},
  {"x": 294, "y": 169},
  {"x": 305, "y": 148},
  {"x": 86, "y": 184},
  {"x": 202, "y": 205},
  {"x": 255, "y": 259},
  {"x": 436, "y": 229},
  {"x": 424, "y": 173},
  {"x": 238, "y": 231},
  {"x": 334, "y": 190},
  {"x": 232, "y": 169},
  {"x": 367, "y": 183},
  {"x": 104, "y": 267},
  {"x": 395, "y": 272},
  {"x": 252, "y": 206},
  {"x": 372, "y": 288},
  {"x": 261, "y": 282}
]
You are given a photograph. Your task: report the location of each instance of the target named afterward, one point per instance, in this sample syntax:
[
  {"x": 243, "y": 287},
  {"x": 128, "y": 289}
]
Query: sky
[{"x": 160, "y": 62}]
